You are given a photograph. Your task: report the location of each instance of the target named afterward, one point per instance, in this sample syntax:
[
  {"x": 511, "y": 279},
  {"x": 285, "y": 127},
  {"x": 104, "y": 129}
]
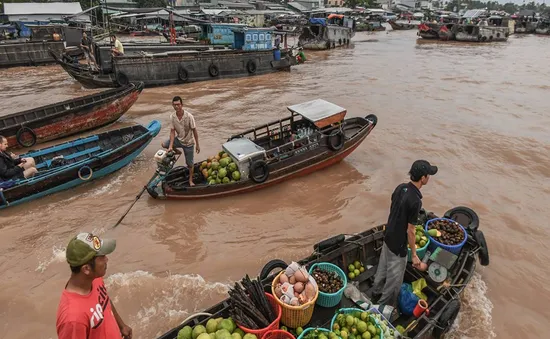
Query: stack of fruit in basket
[
  {"x": 362, "y": 325},
  {"x": 220, "y": 169},
  {"x": 295, "y": 332},
  {"x": 219, "y": 328},
  {"x": 420, "y": 237},
  {"x": 328, "y": 282},
  {"x": 295, "y": 286},
  {"x": 355, "y": 269},
  {"x": 319, "y": 334},
  {"x": 446, "y": 232}
]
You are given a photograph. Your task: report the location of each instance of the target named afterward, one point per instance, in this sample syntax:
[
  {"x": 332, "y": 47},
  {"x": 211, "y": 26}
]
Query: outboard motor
[{"x": 165, "y": 161}]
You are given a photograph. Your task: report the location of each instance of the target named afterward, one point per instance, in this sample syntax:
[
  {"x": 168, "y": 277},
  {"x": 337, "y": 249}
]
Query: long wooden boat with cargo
[
  {"x": 38, "y": 125},
  {"x": 314, "y": 136},
  {"x": 446, "y": 279}
]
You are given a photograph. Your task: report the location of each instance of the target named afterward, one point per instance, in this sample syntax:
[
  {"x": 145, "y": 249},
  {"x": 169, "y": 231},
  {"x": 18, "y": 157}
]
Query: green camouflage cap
[{"x": 85, "y": 246}]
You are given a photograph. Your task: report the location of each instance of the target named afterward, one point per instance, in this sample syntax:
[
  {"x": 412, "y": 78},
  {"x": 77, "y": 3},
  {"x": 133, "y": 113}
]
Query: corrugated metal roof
[{"x": 30, "y": 8}]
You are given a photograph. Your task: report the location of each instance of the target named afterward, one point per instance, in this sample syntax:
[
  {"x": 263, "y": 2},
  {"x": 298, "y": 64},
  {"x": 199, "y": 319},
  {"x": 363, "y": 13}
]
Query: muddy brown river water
[{"x": 478, "y": 111}]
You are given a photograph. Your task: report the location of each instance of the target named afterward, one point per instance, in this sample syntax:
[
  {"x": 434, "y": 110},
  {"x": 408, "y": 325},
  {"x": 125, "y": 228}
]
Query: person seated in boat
[
  {"x": 406, "y": 202},
  {"x": 183, "y": 134},
  {"x": 118, "y": 50},
  {"x": 12, "y": 167}
]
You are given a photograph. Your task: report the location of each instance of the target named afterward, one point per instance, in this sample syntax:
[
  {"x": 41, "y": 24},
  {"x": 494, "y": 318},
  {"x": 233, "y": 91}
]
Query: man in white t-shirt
[{"x": 183, "y": 126}]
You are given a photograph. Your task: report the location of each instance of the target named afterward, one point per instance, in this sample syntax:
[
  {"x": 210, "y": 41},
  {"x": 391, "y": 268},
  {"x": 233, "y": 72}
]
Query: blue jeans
[{"x": 188, "y": 151}]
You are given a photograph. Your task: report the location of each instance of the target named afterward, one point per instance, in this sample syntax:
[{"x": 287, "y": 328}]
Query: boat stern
[{"x": 154, "y": 128}]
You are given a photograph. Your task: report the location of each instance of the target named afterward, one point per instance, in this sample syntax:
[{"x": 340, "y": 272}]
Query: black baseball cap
[{"x": 421, "y": 168}]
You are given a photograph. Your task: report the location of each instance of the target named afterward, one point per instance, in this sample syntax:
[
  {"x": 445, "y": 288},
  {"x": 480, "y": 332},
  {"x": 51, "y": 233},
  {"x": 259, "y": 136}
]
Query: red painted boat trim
[
  {"x": 70, "y": 125},
  {"x": 303, "y": 171}
]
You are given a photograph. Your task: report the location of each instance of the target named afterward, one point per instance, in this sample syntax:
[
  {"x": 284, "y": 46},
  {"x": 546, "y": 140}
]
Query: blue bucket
[
  {"x": 455, "y": 249},
  {"x": 277, "y": 54}
]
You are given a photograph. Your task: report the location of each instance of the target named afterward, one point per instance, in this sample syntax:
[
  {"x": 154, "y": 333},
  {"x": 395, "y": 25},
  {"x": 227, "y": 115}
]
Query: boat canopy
[{"x": 320, "y": 112}]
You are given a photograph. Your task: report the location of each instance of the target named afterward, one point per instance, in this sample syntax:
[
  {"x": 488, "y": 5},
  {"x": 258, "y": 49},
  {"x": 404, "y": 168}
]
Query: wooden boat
[
  {"x": 314, "y": 136},
  {"x": 321, "y": 33},
  {"x": 252, "y": 54},
  {"x": 28, "y": 53},
  {"x": 543, "y": 27},
  {"x": 37, "y": 125},
  {"x": 439, "y": 31},
  {"x": 401, "y": 26},
  {"x": 476, "y": 33},
  {"x": 72, "y": 163},
  {"x": 341, "y": 250}
]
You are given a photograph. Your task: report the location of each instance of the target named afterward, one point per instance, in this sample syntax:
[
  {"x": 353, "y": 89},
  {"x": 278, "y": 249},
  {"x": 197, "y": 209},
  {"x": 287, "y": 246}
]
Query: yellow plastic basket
[{"x": 294, "y": 316}]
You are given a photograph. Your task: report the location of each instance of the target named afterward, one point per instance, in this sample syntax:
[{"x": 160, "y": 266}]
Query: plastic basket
[
  {"x": 375, "y": 310},
  {"x": 455, "y": 249},
  {"x": 273, "y": 326},
  {"x": 330, "y": 299},
  {"x": 294, "y": 316},
  {"x": 351, "y": 310},
  {"x": 277, "y": 334},
  {"x": 419, "y": 251},
  {"x": 309, "y": 329}
]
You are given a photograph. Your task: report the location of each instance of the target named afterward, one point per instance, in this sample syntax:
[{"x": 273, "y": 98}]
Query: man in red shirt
[{"x": 85, "y": 309}]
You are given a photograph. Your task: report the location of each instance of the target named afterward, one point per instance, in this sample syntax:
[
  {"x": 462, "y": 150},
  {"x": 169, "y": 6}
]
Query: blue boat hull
[{"x": 86, "y": 161}]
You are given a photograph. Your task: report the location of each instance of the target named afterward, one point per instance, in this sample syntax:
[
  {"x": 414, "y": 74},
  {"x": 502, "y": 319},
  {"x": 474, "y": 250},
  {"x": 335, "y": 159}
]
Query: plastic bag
[
  {"x": 407, "y": 300},
  {"x": 417, "y": 288}
]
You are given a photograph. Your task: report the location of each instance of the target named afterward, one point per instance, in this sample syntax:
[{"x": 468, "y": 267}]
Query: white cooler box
[{"x": 242, "y": 151}]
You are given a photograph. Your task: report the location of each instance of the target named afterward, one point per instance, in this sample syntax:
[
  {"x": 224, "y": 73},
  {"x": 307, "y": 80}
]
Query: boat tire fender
[
  {"x": 259, "y": 171},
  {"x": 251, "y": 66},
  {"x": 183, "y": 75},
  {"x": 81, "y": 176},
  {"x": 483, "y": 253},
  {"x": 460, "y": 30},
  {"x": 328, "y": 243},
  {"x": 336, "y": 140},
  {"x": 19, "y": 136},
  {"x": 446, "y": 320},
  {"x": 213, "y": 70},
  {"x": 270, "y": 266},
  {"x": 340, "y": 41},
  {"x": 454, "y": 213},
  {"x": 373, "y": 118},
  {"x": 122, "y": 79}
]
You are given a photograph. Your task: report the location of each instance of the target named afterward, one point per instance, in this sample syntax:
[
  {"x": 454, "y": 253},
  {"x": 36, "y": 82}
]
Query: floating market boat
[
  {"x": 37, "y": 125},
  {"x": 543, "y": 27},
  {"x": 251, "y": 53},
  {"x": 320, "y": 33},
  {"x": 446, "y": 278},
  {"x": 440, "y": 31},
  {"x": 477, "y": 33},
  {"x": 314, "y": 136},
  {"x": 72, "y": 163},
  {"x": 402, "y": 26}
]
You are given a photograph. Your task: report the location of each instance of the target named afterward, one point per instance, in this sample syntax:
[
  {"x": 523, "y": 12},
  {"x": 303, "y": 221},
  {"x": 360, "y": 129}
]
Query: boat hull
[
  {"x": 28, "y": 53},
  {"x": 474, "y": 33},
  {"x": 545, "y": 31},
  {"x": 68, "y": 176},
  {"x": 433, "y": 31},
  {"x": 303, "y": 164},
  {"x": 329, "y": 37},
  {"x": 182, "y": 67},
  {"x": 72, "y": 116},
  {"x": 401, "y": 26}
]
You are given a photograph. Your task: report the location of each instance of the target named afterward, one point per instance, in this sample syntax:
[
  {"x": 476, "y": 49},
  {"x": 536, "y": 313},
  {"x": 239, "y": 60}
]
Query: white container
[
  {"x": 160, "y": 155},
  {"x": 243, "y": 151}
]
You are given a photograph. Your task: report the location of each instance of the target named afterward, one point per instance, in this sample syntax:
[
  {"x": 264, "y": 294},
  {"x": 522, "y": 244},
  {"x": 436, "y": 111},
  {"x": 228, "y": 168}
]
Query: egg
[
  {"x": 292, "y": 280},
  {"x": 299, "y": 287},
  {"x": 283, "y": 278},
  {"x": 278, "y": 291},
  {"x": 301, "y": 275},
  {"x": 310, "y": 291}
]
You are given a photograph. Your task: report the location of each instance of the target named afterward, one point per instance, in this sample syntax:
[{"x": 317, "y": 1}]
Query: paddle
[{"x": 139, "y": 196}]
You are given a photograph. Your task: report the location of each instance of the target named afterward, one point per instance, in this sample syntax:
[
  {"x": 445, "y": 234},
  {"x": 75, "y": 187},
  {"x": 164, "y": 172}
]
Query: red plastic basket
[
  {"x": 278, "y": 334},
  {"x": 274, "y": 325}
]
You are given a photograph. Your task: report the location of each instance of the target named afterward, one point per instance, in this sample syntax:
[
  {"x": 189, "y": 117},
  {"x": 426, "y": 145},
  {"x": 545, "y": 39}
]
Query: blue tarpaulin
[{"x": 318, "y": 21}]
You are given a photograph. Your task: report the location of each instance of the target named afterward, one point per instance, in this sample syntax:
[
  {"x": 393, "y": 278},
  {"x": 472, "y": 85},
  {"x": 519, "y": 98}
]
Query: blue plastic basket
[
  {"x": 330, "y": 299},
  {"x": 309, "y": 329},
  {"x": 351, "y": 310},
  {"x": 455, "y": 249},
  {"x": 420, "y": 252}
]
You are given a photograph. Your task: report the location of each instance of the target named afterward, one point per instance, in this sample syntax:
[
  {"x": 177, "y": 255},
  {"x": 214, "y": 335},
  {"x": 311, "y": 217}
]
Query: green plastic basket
[
  {"x": 309, "y": 329},
  {"x": 351, "y": 310},
  {"x": 330, "y": 299}
]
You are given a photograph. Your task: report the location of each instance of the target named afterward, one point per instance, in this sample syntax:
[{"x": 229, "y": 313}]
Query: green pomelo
[{"x": 185, "y": 333}]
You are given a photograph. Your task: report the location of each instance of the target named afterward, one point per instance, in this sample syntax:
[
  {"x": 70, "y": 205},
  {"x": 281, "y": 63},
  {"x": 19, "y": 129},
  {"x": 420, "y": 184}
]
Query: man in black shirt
[{"x": 406, "y": 202}]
